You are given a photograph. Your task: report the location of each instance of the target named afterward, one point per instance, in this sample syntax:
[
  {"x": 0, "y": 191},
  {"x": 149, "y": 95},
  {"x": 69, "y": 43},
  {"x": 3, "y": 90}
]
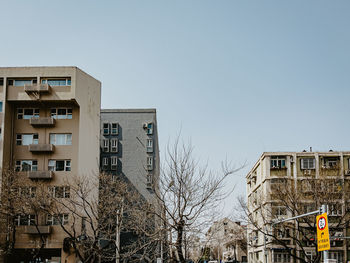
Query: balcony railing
[
  {"x": 42, "y": 122},
  {"x": 40, "y": 174},
  {"x": 37, "y": 230},
  {"x": 41, "y": 148},
  {"x": 37, "y": 88}
]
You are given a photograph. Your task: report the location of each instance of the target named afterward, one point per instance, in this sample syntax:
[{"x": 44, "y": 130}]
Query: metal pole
[
  {"x": 325, "y": 252},
  {"x": 117, "y": 240}
]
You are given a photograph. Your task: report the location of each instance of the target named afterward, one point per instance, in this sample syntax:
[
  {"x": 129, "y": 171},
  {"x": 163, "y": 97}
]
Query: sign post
[{"x": 323, "y": 243}]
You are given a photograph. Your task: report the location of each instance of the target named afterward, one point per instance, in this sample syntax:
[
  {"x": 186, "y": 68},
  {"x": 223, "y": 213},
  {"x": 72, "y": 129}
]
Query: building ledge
[
  {"x": 37, "y": 230},
  {"x": 42, "y": 122},
  {"x": 40, "y": 174}
]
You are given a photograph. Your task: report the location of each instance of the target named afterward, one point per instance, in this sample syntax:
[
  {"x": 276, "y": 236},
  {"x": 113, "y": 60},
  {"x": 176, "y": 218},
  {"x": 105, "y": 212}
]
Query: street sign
[{"x": 322, "y": 233}]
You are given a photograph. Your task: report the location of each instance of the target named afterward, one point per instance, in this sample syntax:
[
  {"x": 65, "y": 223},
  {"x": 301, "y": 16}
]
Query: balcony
[
  {"x": 37, "y": 230},
  {"x": 42, "y": 122},
  {"x": 40, "y": 174},
  {"x": 41, "y": 148},
  {"x": 37, "y": 88}
]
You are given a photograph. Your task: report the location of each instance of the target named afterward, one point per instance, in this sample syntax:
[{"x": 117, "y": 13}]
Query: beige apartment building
[
  {"x": 49, "y": 120},
  {"x": 285, "y": 184}
]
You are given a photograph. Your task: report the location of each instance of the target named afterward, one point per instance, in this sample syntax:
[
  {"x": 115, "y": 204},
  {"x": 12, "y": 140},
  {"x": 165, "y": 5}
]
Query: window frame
[
  {"x": 19, "y": 165},
  {"x": 150, "y": 128},
  {"x": 114, "y": 145},
  {"x": 66, "y": 138},
  {"x": 68, "y": 81},
  {"x": 29, "y": 218},
  {"x": 149, "y": 163},
  {"x": 66, "y": 165},
  {"x": 114, "y": 130},
  {"x": 68, "y": 116},
  {"x": 56, "y": 219},
  {"x": 22, "y": 116},
  {"x": 114, "y": 162},
  {"x": 308, "y": 159},
  {"x": 105, "y": 145},
  {"x": 105, "y": 128},
  {"x": 280, "y": 162},
  {"x": 19, "y": 138},
  {"x": 149, "y": 146}
]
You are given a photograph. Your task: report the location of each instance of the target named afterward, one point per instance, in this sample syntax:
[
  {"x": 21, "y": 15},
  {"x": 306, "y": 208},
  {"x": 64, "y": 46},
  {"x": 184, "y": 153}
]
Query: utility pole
[{"x": 325, "y": 252}]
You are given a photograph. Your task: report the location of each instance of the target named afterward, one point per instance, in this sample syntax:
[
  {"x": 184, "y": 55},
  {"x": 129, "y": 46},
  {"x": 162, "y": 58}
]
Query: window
[
  {"x": 59, "y": 191},
  {"x": 59, "y": 165},
  {"x": 26, "y": 165},
  {"x": 114, "y": 130},
  {"x": 26, "y": 191},
  {"x": 150, "y": 128},
  {"x": 114, "y": 145},
  {"x": 61, "y": 138},
  {"x": 26, "y": 139},
  {"x": 25, "y": 220},
  {"x": 105, "y": 161},
  {"x": 105, "y": 145},
  {"x": 1, "y": 81},
  {"x": 149, "y": 178},
  {"x": 149, "y": 147},
  {"x": 330, "y": 162},
  {"x": 114, "y": 161},
  {"x": 281, "y": 257},
  {"x": 149, "y": 163},
  {"x": 308, "y": 163},
  {"x": 335, "y": 210},
  {"x": 60, "y": 219},
  {"x": 279, "y": 211},
  {"x": 0, "y": 105},
  {"x": 61, "y": 113},
  {"x": 27, "y": 113},
  {"x": 57, "y": 81},
  {"x": 106, "y": 129},
  {"x": 21, "y": 82},
  {"x": 278, "y": 162}
]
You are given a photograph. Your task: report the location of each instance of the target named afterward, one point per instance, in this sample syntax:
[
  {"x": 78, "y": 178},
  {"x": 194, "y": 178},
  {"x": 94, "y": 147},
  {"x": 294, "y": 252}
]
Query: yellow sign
[{"x": 322, "y": 233}]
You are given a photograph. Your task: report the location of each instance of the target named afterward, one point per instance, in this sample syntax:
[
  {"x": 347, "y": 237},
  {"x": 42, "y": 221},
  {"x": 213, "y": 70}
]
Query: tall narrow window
[
  {"x": 149, "y": 163},
  {"x": 150, "y": 128},
  {"x": 105, "y": 161},
  {"x": 114, "y": 130},
  {"x": 106, "y": 129},
  {"x": 105, "y": 145},
  {"x": 114, "y": 162},
  {"x": 149, "y": 146},
  {"x": 0, "y": 105},
  {"x": 114, "y": 145}
]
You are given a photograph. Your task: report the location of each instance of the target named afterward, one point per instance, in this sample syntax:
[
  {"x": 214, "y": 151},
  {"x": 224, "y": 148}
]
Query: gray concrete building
[{"x": 129, "y": 147}]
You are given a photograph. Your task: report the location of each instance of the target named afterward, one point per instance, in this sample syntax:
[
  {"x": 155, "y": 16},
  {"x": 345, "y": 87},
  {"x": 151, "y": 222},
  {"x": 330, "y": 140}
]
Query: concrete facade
[
  {"x": 50, "y": 123},
  {"x": 134, "y": 134},
  {"x": 294, "y": 170}
]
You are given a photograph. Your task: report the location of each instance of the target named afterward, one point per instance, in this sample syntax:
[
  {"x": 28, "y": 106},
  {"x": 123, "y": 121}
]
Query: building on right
[{"x": 282, "y": 185}]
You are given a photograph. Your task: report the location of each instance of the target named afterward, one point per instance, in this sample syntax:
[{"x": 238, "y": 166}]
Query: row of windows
[
  {"x": 51, "y": 81},
  {"x": 54, "y": 191},
  {"x": 32, "y": 165},
  {"x": 113, "y": 160},
  {"x": 56, "y": 113},
  {"x": 110, "y": 145},
  {"x": 30, "y": 220},
  {"x": 113, "y": 128},
  {"x": 110, "y": 128},
  {"x": 306, "y": 163},
  {"x": 55, "y": 138}
]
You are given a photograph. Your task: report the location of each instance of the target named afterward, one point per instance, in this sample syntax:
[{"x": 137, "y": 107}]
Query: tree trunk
[{"x": 179, "y": 241}]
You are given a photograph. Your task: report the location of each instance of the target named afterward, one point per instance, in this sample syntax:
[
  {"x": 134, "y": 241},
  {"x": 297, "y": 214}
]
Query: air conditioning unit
[
  {"x": 144, "y": 125},
  {"x": 307, "y": 172},
  {"x": 347, "y": 172}
]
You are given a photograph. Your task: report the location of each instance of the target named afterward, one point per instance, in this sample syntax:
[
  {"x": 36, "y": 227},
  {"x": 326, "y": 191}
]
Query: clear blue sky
[{"x": 237, "y": 77}]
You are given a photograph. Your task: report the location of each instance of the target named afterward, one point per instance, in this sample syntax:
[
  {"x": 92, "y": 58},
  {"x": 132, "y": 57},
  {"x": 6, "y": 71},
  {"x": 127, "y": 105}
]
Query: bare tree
[{"x": 189, "y": 193}]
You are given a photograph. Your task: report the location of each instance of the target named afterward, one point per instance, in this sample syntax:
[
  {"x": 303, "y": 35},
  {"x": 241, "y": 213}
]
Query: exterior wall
[
  {"x": 261, "y": 192},
  {"x": 132, "y": 154},
  {"x": 83, "y": 97}
]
